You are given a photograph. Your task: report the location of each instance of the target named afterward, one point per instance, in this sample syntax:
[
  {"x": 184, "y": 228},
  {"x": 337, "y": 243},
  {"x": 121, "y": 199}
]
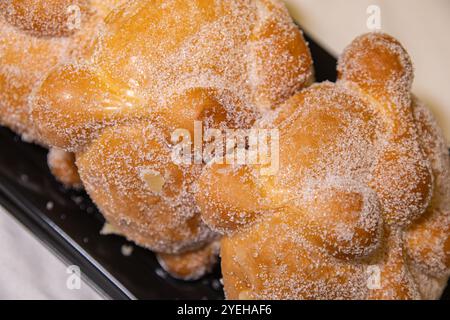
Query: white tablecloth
[{"x": 29, "y": 270}]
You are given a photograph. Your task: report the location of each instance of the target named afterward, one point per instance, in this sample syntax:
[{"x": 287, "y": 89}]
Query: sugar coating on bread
[
  {"x": 428, "y": 243},
  {"x": 34, "y": 38},
  {"x": 192, "y": 265},
  {"x": 62, "y": 166},
  {"x": 158, "y": 66},
  {"x": 42, "y": 18},
  {"x": 30, "y": 46},
  {"x": 358, "y": 208}
]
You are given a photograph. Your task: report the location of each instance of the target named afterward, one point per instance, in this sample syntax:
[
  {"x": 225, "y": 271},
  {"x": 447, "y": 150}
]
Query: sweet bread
[
  {"x": 359, "y": 208},
  {"x": 158, "y": 67},
  {"x": 35, "y": 36}
]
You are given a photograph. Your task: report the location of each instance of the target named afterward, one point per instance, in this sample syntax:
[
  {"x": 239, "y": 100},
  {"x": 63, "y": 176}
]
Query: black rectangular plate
[{"x": 71, "y": 227}]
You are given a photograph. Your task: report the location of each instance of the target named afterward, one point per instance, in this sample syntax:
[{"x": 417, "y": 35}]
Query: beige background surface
[{"x": 29, "y": 270}]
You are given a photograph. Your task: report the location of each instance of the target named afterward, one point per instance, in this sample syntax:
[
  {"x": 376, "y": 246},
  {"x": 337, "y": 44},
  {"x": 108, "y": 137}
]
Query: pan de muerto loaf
[
  {"x": 158, "y": 66},
  {"x": 359, "y": 208}
]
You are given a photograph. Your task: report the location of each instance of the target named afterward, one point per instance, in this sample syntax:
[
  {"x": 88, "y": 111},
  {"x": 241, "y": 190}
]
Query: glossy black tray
[{"x": 69, "y": 223}]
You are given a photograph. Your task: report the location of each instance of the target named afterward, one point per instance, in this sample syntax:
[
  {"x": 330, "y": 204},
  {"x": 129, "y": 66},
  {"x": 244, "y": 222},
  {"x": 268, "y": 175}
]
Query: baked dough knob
[
  {"x": 378, "y": 66},
  {"x": 191, "y": 265},
  {"x": 381, "y": 68},
  {"x": 26, "y": 57},
  {"x": 229, "y": 198},
  {"x": 43, "y": 17},
  {"x": 128, "y": 171},
  {"x": 272, "y": 260},
  {"x": 395, "y": 281},
  {"x": 345, "y": 220},
  {"x": 428, "y": 240},
  {"x": 74, "y": 103},
  {"x": 428, "y": 243},
  {"x": 215, "y": 109},
  {"x": 24, "y": 60},
  {"x": 62, "y": 165},
  {"x": 404, "y": 184}
]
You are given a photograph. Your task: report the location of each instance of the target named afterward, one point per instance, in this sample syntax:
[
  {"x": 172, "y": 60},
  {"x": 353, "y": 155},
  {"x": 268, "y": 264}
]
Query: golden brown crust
[
  {"x": 428, "y": 240},
  {"x": 354, "y": 176},
  {"x": 31, "y": 46},
  {"x": 62, "y": 165},
  {"x": 226, "y": 209},
  {"x": 159, "y": 66},
  {"x": 34, "y": 38},
  {"x": 116, "y": 171},
  {"x": 42, "y": 18},
  {"x": 191, "y": 265}
]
